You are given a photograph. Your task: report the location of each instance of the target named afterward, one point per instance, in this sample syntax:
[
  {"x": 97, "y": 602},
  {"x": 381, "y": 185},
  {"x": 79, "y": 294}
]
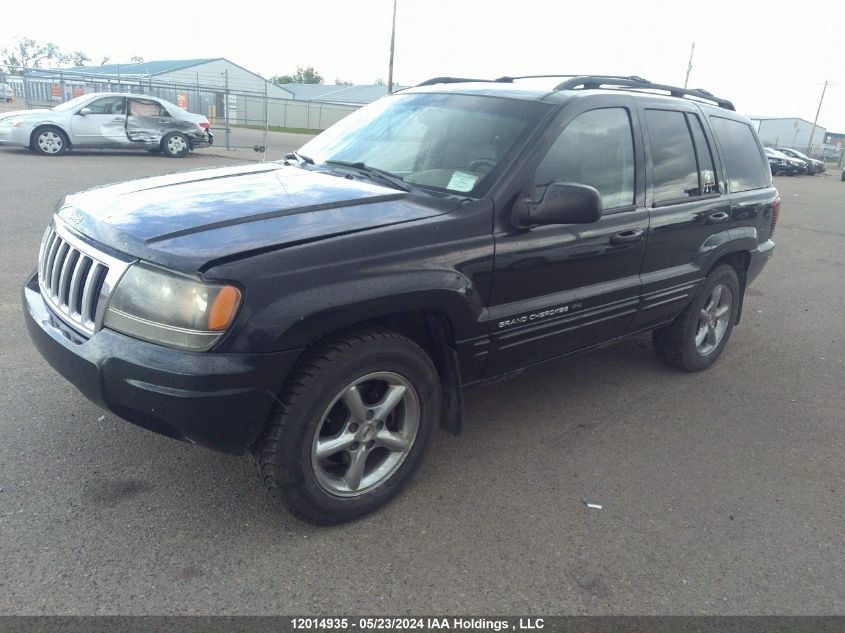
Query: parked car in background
[
  {"x": 813, "y": 166},
  {"x": 781, "y": 164},
  {"x": 104, "y": 120},
  {"x": 6, "y": 93}
]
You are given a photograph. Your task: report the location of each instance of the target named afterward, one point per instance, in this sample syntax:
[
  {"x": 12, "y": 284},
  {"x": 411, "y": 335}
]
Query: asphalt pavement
[{"x": 723, "y": 492}]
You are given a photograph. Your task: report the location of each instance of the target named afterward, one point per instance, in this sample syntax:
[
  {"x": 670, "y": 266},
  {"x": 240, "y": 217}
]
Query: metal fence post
[
  {"x": 266, "y": 121},
  {"x": 26, "y": 94},
  {"x": 226, "y": 105}
]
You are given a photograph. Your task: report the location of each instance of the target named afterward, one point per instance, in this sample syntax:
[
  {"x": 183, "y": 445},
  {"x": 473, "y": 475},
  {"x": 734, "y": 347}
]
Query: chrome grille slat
[
  {"x": 75, "y": 278},
  {"x": 61, "y": 254},
  {"x": 64, "y": 277},
  {"x": 51, "y": 256},
  {"x": 74, "y": 295},
  {"x": 45, "y": 247},
  {"x": 90, "y": 293}
]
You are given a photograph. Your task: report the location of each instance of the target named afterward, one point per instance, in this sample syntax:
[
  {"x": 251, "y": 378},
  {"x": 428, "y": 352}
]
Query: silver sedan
[{"x": 107, "y": 120}]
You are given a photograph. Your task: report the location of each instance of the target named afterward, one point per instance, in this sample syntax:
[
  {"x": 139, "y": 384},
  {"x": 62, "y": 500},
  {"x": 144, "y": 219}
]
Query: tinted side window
[
  {"x": 745, "y": 166},
  {"x": 595, "y": 149},
  {"x": 706, "y": 171},
  {"x": 673, "y": 156}
]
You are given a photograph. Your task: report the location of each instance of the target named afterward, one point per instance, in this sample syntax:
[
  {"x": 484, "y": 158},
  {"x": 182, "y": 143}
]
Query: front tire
[
  {"x": 49, "y": 141},
  {"x": 350, "y": 427},
  {"x": 175, "y": 145},
  {"x": 696, "y": 338}
]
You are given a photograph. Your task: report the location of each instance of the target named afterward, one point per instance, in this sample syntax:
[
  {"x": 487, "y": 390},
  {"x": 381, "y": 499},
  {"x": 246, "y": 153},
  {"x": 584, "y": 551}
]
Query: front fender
[{"x": 311, "y": 314}]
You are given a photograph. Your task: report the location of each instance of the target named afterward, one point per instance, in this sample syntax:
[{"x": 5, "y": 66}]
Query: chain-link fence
[{"x": 228, "y": 102}]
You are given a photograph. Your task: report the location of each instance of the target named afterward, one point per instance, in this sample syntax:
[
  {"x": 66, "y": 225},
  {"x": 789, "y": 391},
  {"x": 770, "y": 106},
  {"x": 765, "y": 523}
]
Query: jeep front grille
[{"x": 75, "y": 279}]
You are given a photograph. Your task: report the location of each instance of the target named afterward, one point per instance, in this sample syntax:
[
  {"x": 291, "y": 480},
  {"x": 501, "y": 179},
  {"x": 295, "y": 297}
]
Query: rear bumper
[
  {"x": 219, "y": 401},
  {"x": 759, "y": 258},
  {"x": 202, "y": 140}
]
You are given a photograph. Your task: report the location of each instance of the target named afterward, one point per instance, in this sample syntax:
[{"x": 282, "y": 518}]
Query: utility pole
[
  {"x": 392, "y": 43},
  {"x": 816, "y": 120},
  {"x": 689, "y": 65}
]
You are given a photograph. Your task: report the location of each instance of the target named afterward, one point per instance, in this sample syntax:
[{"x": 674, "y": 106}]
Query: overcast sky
[{"x": 770, "y": 58}]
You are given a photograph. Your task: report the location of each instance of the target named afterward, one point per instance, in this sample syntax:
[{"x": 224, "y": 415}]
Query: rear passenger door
[
  {"x": 559, "y": 288},
  {"x": 748, "y": 178},
  {"x": 148, "y": 121},
  {"x": 689, "y": 209}
]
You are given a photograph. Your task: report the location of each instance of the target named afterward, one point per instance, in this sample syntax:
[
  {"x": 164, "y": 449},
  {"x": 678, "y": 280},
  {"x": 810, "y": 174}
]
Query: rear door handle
[
  {"x": 626, "y": 237},
  {"x": 118, "y": 120},
  {"x": 719, "y": 216}
]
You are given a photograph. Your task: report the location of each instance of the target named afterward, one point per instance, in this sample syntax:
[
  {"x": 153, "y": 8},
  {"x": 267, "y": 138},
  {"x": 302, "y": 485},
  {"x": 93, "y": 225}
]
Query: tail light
[
  {"x": 205, "y": 125},
  {"x": 775, "y": 214}
]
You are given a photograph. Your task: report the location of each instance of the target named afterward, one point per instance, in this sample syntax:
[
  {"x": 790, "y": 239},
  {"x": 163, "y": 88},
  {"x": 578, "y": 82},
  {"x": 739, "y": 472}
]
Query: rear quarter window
[{"x": 744, "y": 163}]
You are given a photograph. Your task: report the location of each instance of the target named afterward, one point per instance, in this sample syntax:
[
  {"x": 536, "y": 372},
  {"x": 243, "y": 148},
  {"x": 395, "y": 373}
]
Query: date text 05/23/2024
[{"x": 419, "y": 624}]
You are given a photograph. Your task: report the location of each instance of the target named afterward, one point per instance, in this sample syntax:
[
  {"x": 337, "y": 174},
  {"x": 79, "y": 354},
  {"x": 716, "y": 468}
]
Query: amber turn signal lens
[{"x": 224, "y": 307}]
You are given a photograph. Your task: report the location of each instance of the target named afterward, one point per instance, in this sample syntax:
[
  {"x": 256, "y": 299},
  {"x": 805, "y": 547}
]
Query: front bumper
[
  {"x": 219, "y": 401},
  {"x": 18, "y": 136}
]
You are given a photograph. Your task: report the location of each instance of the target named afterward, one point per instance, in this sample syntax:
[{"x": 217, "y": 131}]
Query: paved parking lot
[{"x": 723, "y": 491}]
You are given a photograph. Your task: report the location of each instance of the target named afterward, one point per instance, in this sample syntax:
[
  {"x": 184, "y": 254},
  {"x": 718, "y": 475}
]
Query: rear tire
[
  {"x": 697, "y": 336},
  {"x": 175, "y": 145},
  {"x": 313, "y": 440},
  {"x": 49, "y": 141}
]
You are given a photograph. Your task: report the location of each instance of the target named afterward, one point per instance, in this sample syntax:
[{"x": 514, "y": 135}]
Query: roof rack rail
[
  {"x": 509, "y": 79},
  {"x": 588, "y": 82},
  {"x": 455, "y": 80}
]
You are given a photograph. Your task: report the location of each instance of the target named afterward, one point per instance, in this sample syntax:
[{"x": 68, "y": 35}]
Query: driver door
[
  {"x": 558, "y": 288},
  {"x": 104, "y": 124}
]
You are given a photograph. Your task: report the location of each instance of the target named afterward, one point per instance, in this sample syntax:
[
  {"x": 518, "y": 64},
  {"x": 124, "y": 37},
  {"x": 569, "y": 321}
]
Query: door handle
[
  {"x": 626, "y": 237},
  {"x": 719, "y": 216},
  {"x": 118, "y": 120}
]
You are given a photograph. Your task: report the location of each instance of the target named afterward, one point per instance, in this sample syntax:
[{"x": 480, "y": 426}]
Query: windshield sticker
[{"x": 461, "y": 181}]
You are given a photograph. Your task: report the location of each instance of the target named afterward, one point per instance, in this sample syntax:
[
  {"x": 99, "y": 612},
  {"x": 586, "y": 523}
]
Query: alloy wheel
[
  {"x": 365, "y": 434},
  {"x": 713, "y": 319}
]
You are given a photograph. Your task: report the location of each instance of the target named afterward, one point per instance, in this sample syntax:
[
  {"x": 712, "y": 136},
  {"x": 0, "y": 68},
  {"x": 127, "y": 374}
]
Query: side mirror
[
  {"x": 562, "y": 203},
  {"x": 84, "y": 111}
]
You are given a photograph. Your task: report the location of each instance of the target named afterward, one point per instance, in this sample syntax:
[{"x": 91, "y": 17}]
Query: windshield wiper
[
  {"x": 396, "y": 181},
  {"x": 306, "y": 160}
]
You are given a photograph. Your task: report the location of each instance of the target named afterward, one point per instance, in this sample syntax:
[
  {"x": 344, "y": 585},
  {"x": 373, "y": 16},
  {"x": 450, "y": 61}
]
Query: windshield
[
  {"x": 70, "y": 105},
  {"x": 454, "y": 143}
]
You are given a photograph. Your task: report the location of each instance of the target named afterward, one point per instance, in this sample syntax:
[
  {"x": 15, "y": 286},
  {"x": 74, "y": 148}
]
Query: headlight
[
  {"x": 11, "y": 122},
  {"x": 162, "y": 307}
]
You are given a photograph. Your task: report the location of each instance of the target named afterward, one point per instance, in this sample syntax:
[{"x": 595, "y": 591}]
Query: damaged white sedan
[{"x": 106, "y": 120}]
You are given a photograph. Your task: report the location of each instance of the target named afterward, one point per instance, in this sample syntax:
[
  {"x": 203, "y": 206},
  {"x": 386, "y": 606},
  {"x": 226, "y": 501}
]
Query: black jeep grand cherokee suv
[{"x": 323, "y": 314}]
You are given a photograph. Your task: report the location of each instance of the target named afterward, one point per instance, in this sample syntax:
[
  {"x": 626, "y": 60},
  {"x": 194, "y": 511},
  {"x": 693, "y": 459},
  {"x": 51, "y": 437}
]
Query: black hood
[{"x": 189, "y": 219}]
